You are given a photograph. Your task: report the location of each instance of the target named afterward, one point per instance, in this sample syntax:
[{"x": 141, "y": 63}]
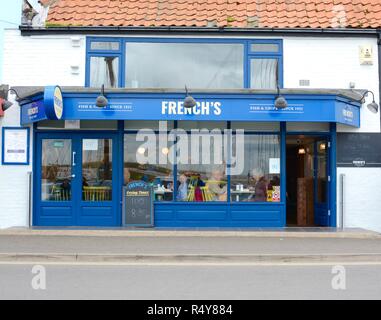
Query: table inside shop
[
  {"x": 161, "y": 193},
  {"x": 240, "y": 193}
]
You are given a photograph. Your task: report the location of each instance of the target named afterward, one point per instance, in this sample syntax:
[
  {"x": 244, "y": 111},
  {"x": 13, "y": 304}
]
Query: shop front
[{"x": 226, "y": 162}]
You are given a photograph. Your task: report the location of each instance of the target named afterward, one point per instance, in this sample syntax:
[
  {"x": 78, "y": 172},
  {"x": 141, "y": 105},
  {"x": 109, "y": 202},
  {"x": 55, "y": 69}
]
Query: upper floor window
[{"x": 175, "y": 63}]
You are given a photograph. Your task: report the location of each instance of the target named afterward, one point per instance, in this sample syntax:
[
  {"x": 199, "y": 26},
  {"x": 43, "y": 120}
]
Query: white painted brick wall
[{"x": 326, "y": 62}]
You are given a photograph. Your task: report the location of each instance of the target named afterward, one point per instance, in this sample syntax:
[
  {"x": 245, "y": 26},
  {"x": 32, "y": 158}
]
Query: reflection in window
[
  {"x": 260, "y": 180},
  {"x": 104, "y": 70},
  {"x": 97, "y": 170},
  {"x": 264, "y": 73},
  {"x": 149, "y": 161},
  {"x": 202, "y": 169},
  {"x": 56, "y": 173},
  {"x": 174, "y": 65}
]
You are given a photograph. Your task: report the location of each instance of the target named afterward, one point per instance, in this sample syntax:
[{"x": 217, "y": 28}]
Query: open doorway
[{"x": 307, "y": 181}]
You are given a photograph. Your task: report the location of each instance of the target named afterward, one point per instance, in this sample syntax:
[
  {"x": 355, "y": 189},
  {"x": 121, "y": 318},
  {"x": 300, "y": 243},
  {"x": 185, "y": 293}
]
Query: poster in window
[{"x": 15, "y": 146}]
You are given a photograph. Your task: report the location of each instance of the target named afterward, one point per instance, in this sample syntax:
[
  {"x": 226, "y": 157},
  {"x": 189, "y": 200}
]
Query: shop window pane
[
  {"x": 104, "y": 70},
  {"x": 256, "y": 126},
  {"x": 104, "y": 45},
  {"x": 174, "y": 65},
  {"x": 265, "y": 47},
  {"x": 56, "y": 171},
  {"x": 97, "y": 170},
  {"x": 201, "y": 167},
  {"x": 259, "y": 180},
  {"x": 151, "y": 161},
  {"x": 263, "y": 73},
  {"x": 210, "y": 125},
  {"x": 132, "y": 125}
]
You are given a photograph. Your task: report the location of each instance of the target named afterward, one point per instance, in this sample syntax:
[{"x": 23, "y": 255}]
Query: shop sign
[{"x": 51, "y": 107}]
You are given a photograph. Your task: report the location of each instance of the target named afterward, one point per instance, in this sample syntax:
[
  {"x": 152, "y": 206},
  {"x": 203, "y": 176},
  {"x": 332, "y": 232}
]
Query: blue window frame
[{"x": 253, "y": 49}]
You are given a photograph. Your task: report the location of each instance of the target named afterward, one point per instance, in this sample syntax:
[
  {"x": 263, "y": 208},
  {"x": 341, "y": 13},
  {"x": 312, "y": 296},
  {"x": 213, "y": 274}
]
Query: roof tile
[{"x": 223, "y": 13}]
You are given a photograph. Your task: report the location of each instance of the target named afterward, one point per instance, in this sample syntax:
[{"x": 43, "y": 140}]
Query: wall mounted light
[
  {"x": 141, "y": 150},
  {"x": 280, "y": 101},
  {"x": 6, "y": 104},
  {"x": 373, "y": 106},
  {"x": 189, "y": 101},
  {"x": 102, "y": 101}
]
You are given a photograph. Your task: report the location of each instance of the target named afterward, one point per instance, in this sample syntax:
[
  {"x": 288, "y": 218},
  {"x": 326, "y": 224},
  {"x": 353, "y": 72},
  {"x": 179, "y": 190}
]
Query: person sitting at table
[
  {"x": 260, "y": 186},
  {"x": 182, "y": 191},
  {"x": 216, "y": 187}
]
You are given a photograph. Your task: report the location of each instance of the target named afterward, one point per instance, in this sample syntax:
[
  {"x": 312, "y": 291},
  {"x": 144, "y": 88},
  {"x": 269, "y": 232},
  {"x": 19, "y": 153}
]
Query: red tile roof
[{"x": 217, "y": 13}]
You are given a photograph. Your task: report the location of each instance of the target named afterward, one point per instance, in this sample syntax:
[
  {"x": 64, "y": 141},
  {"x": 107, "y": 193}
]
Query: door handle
[{"x": 74, "y": 154}]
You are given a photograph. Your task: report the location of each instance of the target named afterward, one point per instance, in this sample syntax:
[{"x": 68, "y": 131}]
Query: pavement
[{"x": 188, "y": 246}]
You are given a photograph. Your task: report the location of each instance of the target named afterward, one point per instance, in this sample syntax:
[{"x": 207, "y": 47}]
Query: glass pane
[
  {"x": 263, "y": 73},
  {"x": 56, "y": 171},
  {"x": 104, "y": 45},
  {"x": 256, "y": 126},
  {"x": 133, "y": 125},
  {"x": 265, "y": 47},
  {"x": 189, "y": 125},
  {"x": 148, "y": 157},
  {"x": 97, "y": 170},
  {"x": 201, "y": 166},
  {"x": 322, "y": 179},
  {"x": 104, "y": 70},
  {"x": 174, "y": 65},
  {"x": 259, "y": 180}
]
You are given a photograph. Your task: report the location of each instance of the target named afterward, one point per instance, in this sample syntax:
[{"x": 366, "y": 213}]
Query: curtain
[{"x": 264, "y": 73}]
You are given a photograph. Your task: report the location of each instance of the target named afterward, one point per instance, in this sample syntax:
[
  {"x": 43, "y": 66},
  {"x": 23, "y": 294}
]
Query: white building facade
[{"x": 311, "y": 61}]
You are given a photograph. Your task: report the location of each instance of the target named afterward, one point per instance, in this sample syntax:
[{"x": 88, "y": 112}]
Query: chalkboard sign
[
  {"x": 359, "y": 150},
  {"x": 138, "y": 204}
]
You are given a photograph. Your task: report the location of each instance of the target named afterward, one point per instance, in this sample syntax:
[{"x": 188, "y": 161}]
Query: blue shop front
[{"x": 232, "y": 160}]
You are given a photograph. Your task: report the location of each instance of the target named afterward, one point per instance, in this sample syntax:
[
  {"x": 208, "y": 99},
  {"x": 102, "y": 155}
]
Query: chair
[{"x": 206, "y": 194}]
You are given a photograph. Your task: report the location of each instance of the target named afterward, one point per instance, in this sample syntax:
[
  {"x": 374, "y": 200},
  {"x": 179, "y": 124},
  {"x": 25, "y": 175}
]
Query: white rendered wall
[
  {"x": 326, "y": 62},
  {"x": 362, "y": 198},
  {"x": 333, "y": 63}
]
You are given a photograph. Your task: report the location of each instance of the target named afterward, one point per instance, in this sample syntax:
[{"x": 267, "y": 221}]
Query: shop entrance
[
  {"x": 76, "y": 180},
  {"x": 308, "y": 181}
]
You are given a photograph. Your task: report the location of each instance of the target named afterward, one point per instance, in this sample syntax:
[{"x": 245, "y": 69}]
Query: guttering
[{"x": 28, "y": 30}]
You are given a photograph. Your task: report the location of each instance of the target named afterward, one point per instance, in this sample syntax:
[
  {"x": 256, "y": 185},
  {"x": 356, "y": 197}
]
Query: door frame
[
  {"x": 331, "y": 159},
  {"x": 76, "y": 138}
]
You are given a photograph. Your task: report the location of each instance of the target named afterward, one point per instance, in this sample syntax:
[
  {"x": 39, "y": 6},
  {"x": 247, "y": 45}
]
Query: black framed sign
[
  {"x": 138, "y": 205},
  {"x": 359, "y": 150}
]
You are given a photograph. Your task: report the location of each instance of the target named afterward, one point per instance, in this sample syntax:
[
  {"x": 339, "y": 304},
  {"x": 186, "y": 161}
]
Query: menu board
[
  {"x": 138, "y": 204},
  {"x": 15, "y": 146},
  {"x": 359, "y": 150}
]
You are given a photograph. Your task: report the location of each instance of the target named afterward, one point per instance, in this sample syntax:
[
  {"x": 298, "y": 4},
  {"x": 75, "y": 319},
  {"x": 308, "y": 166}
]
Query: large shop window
[
  {"x": 174, "y": 63},
  {"x": 202, "y": 162},
  {"x": 147, "y": 158},
  {"x": 259, "y": 181}
]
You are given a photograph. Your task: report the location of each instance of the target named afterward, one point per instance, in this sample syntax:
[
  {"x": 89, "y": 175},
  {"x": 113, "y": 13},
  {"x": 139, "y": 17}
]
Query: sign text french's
[{"x": 204, "y": 108}]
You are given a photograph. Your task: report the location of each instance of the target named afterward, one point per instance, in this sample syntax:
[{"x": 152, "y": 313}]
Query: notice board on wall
[
  {"x": 138, "y": 204},
  {"x": 359, "y": 150}
]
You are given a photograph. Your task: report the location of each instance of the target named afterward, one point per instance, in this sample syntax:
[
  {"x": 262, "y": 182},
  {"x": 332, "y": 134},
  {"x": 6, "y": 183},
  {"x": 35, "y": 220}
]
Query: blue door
[
  {"x": 76, "y": 180},
  {"x": 321, "y": 182}
]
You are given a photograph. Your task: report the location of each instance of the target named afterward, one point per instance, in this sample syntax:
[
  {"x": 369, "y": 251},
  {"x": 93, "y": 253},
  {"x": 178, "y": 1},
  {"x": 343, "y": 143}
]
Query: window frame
[
  {"x": 228, "y": 175},
  {"x": 121, "y": 53}
]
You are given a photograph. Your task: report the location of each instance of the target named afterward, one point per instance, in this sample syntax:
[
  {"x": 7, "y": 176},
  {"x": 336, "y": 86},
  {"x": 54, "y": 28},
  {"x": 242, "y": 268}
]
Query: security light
[
  {"x": 189, "y": 101},
  {"x": 102, "y": 101},
  {"x": 373, "y": 106}
]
